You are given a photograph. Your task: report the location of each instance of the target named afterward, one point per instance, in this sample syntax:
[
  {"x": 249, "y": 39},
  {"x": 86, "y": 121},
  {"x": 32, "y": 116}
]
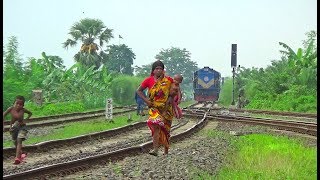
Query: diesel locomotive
[{"x": 206, "y": 85}]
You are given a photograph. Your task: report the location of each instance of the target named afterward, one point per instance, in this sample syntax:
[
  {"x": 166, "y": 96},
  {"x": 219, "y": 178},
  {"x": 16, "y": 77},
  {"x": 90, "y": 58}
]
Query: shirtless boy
[{"x": 18, "y": 128}]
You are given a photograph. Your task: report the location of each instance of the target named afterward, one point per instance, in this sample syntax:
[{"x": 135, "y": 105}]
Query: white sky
[{"x": 206, "y": 28}]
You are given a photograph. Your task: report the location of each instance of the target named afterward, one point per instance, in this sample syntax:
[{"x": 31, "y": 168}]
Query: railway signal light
[
  {"x": 234, "y": 55},
  {"x": 233, "y": 65}
]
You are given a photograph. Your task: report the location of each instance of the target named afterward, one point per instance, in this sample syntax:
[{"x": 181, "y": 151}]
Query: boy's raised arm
[{"x": 28, "y": 112}]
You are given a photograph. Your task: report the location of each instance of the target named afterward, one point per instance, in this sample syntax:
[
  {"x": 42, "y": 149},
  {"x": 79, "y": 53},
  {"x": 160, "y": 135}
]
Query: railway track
[
  {"x": 303, "y": 127},
  {"x": 142, "y": 143},
  {"x": 205, "y": 105},
  {"x": 72, "y": 114},
  {"x": 72, "y": 117},
  {"x": 114, "y": 151}
]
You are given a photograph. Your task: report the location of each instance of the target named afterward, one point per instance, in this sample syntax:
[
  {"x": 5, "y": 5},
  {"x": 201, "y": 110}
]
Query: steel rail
[
  {"x": 71, "y": 114},
  {"x": 309, "y": 129},
  {"x": 42, "y": 146},
  {"x": 82, "y": 117},
  {"x": 294, "y": 114}
]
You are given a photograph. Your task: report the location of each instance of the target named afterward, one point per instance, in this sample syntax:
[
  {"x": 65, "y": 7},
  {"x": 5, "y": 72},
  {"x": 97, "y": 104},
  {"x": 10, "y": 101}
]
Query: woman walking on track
[{"x": 160, "y": 115}]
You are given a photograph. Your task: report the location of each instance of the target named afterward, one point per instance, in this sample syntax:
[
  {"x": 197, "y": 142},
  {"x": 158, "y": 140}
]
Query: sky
[{"x": 205, "y": 28}]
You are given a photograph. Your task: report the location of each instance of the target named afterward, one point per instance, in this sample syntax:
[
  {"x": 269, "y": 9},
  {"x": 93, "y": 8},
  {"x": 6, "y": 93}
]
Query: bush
[
  {"x": 297, "y": 99},
  {"x": 225, "y": 97},
  {"x": 95, "y": 101},
  {"x": 123, "y": 89}
]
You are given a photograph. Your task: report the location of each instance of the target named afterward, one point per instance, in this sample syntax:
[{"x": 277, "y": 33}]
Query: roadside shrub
[
  {"x": 225, "y": 97},
  {"x": 123, "y": 89}
]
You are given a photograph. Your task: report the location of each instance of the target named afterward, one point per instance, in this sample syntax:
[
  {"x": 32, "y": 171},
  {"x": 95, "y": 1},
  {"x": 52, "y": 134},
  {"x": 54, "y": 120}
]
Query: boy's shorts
[{"x": 19, "y": 131}]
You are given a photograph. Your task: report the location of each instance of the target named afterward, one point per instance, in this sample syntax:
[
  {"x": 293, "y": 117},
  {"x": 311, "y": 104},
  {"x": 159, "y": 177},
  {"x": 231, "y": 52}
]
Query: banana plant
[
  {"x": 303, "y": 63},
  {"x": 300, "y": 59}
]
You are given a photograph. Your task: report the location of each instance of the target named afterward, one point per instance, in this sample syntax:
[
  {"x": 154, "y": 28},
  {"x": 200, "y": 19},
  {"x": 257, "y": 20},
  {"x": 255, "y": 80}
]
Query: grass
[
  {"x": 73, "y": 129},
  {"x": 263, "y": 156}
]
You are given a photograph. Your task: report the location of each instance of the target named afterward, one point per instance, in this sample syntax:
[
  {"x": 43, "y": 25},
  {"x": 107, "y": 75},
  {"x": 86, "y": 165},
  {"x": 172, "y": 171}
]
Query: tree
[
  {"x": 288, "y": 84},
  {"x": 120, "y": 58},
  {"x": 303, "y": 58},
  {"x": 51, "y": 62},
  {"x": 303, "y": 63},
  {"x": 13, "y": 73},
  {"x": 311, "y": 36},
  {"x": 143, "y": 71},
  {"x": 35, "y": 73},
  {"x": 178, "y": 60},
  {"x": 77, "y": 83},
  {"x": 12, "y": 60},
  {"x": 87, "y": 31}
]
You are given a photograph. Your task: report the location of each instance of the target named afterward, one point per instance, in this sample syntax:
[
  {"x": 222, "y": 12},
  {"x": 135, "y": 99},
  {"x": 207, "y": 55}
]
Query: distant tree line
[{"x": 100, "y": 70}]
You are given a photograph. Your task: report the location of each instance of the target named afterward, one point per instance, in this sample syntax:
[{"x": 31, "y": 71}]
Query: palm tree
[{"x": 87, "y": 31}]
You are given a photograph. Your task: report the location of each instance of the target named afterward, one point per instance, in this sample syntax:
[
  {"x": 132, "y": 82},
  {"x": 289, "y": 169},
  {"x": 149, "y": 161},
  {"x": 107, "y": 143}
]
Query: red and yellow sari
[{"x": 159, "y": 114}]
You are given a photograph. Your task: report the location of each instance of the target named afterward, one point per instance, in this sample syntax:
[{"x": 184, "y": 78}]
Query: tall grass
[{"x": 262, "y": 156}]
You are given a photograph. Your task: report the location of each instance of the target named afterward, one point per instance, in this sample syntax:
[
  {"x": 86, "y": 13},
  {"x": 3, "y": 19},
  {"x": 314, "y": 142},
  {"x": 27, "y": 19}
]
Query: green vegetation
[
  {"x": 123, "y": 89},
  {"x": 73, "y": 129},
  {"x": 88, "y": 31},
  {"x": 262, "y": 156},
  {"x": 100, "y": 71},
  {"x": 55, "y": 108},
  {"x": 105, "y": 71},
  {"x": 269, "y": 157},
  {"x": 289, "y": 84},
  {"x": 225, "y": 97}
]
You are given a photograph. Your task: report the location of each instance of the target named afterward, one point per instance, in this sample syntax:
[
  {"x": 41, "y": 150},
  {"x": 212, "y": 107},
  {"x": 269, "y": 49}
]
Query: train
[{"x": 206, "y": 85}]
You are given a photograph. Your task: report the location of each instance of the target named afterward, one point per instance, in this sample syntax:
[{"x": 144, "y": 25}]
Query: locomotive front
[{"x": 206, "y": 85}]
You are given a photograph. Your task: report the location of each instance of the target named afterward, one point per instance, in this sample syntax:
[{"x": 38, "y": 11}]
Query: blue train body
[{"x": 206, "y": 85}]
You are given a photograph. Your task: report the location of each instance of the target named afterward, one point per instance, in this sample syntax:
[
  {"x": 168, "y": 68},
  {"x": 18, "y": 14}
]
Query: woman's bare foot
[{"x": 154, "y": 152}]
